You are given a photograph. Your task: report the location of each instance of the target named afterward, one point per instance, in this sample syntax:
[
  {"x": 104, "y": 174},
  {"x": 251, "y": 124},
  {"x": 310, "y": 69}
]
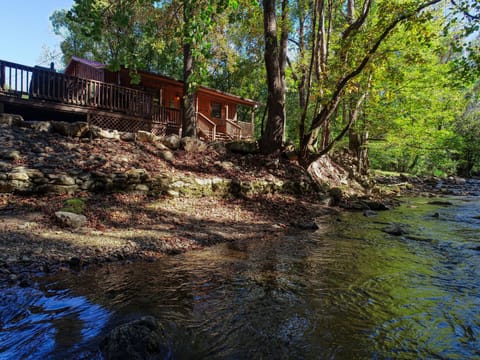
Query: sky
[{"x": 26, "y": 29}]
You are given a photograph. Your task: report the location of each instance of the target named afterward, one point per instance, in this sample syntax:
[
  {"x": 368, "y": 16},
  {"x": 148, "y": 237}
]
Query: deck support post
[{"x": 252, "y": 120}]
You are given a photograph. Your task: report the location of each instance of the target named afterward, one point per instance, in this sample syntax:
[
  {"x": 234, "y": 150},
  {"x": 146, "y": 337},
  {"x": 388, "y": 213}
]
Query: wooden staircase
[{"x": 223, "y": 137}]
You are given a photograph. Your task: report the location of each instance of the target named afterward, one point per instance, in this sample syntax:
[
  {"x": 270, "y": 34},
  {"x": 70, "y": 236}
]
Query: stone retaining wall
[
  {"x": 34, "y": 179},
  {"x": 23, "y": 180}
]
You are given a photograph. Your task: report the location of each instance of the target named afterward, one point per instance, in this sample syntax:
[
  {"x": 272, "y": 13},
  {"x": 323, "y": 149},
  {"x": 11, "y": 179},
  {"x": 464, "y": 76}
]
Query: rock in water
[
  {"x": 395, "y": 229},
  {"x": 307, "y": 226},
  {"x": 440, "y": 203},
  {"x": 369, "y": 213},
  {"x": 140, "y": 339}
]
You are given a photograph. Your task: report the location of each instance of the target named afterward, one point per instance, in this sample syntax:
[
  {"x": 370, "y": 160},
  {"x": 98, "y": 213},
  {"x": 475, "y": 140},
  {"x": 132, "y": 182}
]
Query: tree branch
[
  {"x": 464, "y": 10},
  {"x": 360, "y": 21},
  {"x": 328, "y": 110}
]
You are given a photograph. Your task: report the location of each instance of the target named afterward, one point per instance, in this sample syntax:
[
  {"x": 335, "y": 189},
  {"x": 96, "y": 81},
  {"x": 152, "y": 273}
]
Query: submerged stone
[
  {"x": 395, "y": 229},
  {"x": 144, "y": 338}
]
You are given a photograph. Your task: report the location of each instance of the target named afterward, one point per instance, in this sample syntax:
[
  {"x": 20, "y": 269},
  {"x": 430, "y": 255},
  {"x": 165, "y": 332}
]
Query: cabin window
[{"x": 216, "y": 110}]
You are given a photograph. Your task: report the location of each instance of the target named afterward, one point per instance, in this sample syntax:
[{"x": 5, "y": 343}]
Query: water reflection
[
  {"x": 35, "y": 324},
  {"x": 346, "y": 291}
]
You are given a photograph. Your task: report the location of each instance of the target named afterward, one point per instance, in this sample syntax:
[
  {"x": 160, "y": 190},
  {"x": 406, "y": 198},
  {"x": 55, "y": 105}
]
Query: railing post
[{"x": 2, "y": 75}]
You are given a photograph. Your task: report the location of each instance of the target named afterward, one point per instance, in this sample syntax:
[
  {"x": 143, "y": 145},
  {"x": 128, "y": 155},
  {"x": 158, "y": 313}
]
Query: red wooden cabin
[{"x": 217, "y": 111}]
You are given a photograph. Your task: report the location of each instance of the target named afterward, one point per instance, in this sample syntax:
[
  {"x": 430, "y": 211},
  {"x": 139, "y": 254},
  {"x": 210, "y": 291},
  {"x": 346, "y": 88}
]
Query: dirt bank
[
  {"x": 130, "y": 225},
  {"x": 127, "y": 227}
]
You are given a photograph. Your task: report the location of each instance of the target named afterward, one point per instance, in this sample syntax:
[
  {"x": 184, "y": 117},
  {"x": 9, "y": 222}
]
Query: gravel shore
[{"x": 131, "y": 227}]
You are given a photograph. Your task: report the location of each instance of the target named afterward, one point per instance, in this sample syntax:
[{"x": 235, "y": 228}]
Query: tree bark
[
  {"x": 275, "y": 63},
  {"x": 189, "y": 117}
]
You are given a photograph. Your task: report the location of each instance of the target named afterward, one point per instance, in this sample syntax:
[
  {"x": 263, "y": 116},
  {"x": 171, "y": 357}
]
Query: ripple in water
[
  {"x": 346, "y": 291},
  {"x": 34, "y": 324}
]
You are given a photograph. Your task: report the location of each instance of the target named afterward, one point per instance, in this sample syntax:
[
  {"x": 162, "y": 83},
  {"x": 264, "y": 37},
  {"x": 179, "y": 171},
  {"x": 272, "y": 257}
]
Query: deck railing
[
  {"x": 44, "y": 84},
  {"x": 169, "y": 118},
  {"x": 247, "y": 129},
  {"x": 233, "y": 129}
]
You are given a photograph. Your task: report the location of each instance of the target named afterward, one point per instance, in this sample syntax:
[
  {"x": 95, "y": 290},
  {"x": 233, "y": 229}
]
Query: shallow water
[{"x": 346, "y": 291}]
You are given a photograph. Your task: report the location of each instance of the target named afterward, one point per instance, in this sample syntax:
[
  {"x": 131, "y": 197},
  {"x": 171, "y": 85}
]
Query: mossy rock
[{"x": 75, "y": 205}]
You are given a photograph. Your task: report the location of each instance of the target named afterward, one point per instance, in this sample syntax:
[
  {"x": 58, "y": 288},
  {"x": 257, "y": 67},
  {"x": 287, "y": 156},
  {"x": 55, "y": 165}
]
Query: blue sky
[{"x": 26, "y": 29}]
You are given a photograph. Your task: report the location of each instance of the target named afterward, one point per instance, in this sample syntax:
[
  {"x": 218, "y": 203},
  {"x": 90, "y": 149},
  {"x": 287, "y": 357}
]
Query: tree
[
  {"x": 414, "y": 101},
  {"x": 147, "y": 35},
  {"x": 467, "y": 126},
  {"x": 355, "y": 62},
  {"x": 275, "y": 64}
]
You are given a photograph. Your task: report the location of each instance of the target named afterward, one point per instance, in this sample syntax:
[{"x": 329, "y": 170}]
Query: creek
[{"x": 348, "y": 290}]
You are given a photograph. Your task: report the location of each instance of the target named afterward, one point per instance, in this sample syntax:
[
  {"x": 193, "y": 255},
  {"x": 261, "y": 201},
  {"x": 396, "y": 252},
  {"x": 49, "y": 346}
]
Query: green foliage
[
  {"x": 467, "y": 127},
  {"x": 75, "y": 205},
  {"x": 421, "y": 105},
  {"x": 414, "y": 104}
]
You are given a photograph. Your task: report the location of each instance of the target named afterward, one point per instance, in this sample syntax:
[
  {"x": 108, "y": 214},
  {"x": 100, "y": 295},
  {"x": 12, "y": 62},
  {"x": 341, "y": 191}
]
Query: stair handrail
[
  {"x": 237, "y": 132},
  {"x": 210, "y": 124}
]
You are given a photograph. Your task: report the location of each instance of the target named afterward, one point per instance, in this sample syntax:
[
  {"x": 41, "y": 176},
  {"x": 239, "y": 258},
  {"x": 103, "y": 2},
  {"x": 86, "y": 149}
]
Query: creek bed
[{"x": 348, "y": 290}]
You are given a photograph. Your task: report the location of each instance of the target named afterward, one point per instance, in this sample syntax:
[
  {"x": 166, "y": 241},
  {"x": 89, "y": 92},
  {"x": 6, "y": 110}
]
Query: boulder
[
  {"x": 93, "y": 132},
  {"x": 11, "y": 119},
  {"x": 19, "y": 173},
  {"x": 160, "y": 146},
  {"x": 144, "y": 338},
  {"x": 219, "y": 147},
  {"x": 166, "y": 155},
  {"x": 128, "y": 136},
  {"x": 137, "y": 175},
  {"x": 69, "y": 219},
  {"x": 76, "y": 129},
  {"x": 10, "y": 154},
  {"x": 173, "y": 141},
  {"x": 40, "y": 126},
  {"x": 145, "y": 136},
  {"x": 61, "y": 127},
  {"x": 108, "y": 134},
  {"x": 190, "y": 144},
  {"x": 224, "y": 165}
]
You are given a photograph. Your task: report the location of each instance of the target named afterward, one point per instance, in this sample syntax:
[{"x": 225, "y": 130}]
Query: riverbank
[
  {"x": 128, "y": 227},
  {"x": 138, "y": 196},
  {"x": 142, "y": 197}
]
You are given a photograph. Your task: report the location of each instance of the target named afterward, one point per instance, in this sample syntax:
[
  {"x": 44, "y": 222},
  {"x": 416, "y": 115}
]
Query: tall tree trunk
[
  {"x": 189, "y": 127},
  {"x": 275, "y": 63}
]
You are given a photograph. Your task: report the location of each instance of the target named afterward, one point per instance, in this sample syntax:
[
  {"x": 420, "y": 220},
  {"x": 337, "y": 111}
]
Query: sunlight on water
[{"x": 346, "y": 291}]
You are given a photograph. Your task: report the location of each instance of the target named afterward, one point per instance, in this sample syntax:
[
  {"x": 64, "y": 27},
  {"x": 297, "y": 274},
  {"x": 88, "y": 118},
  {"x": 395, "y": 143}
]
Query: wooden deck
[{"x": 103, "y": 104}]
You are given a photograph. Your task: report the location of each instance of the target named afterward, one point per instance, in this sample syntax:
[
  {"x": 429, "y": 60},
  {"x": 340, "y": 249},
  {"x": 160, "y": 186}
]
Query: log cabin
[
  {"x": 217, "y": 112},
  {"x": 87, "y": 90}
]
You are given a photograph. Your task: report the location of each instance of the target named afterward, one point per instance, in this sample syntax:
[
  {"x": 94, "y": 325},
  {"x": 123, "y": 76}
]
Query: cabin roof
[
  {"x": 202, "y": 89},
  {"x": 91, "y": 63}
]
